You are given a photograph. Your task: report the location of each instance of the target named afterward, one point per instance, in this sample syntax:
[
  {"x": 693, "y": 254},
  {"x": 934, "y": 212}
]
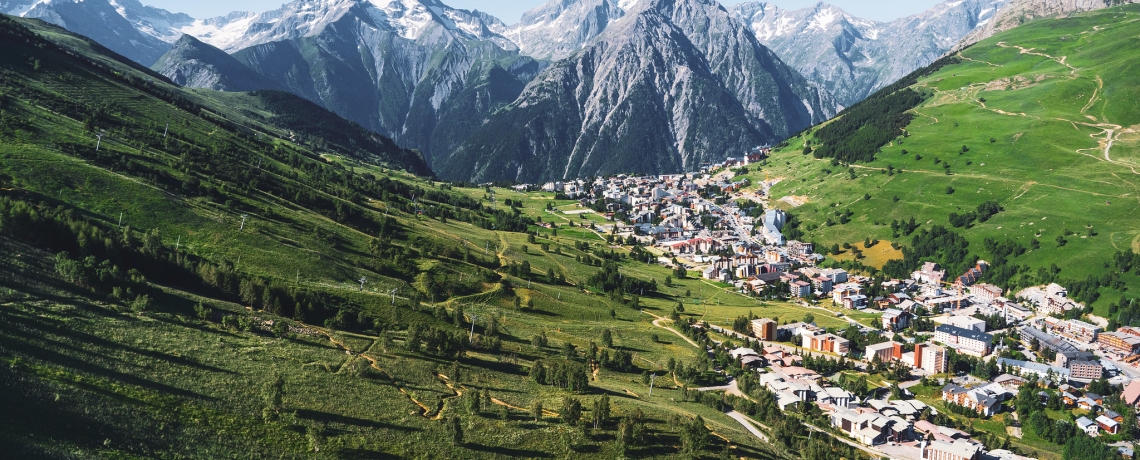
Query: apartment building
[
  {"x": 764, "y": 329},
  {"x": 930, "y": 358},
  {"x": 968, "y": 341},
  {"x": 1077, "y": 330},
  {"x": 829, "y": 343},
  {"x": 1119, "y": 342},
  {"x": 967, "y": 322},
  {"x": 985, "y": 292},
  {"x": 1086, "y": 370},
  {"x": 957, "y": 450},
  {"x": 800, "y": 289},
  {"x": 886, "y": 351}
]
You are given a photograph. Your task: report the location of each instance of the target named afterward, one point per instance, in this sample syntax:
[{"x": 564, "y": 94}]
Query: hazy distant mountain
[
  {"x": 853, "y": 57},
  {"x": 140, "y": 33}
]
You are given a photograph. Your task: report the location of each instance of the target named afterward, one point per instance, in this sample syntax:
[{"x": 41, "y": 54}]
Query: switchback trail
[{"x": 657, "y": 322}]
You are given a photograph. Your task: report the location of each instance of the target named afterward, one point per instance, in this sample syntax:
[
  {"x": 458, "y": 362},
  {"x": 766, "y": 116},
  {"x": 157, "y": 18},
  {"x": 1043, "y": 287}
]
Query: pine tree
[
  {"x": 455, "y": 427},
  {"x": 273, "y": 394},
  {"x": 536, "y": 410}
]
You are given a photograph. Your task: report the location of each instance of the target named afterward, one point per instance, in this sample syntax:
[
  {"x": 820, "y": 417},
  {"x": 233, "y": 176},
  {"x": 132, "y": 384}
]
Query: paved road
[{"x": 744, "y": 420}]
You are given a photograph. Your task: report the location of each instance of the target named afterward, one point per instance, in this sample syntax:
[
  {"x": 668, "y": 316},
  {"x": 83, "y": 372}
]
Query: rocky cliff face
[
  {"x": 189, "y": 62},
  {"x": 412, "y": 70},
  {"x": 1018, "y": 12},
  {"x": 853, "y": 57},
  {"x": 672, "y": 85},
  {"x": 642, "y": 85},
  {"x": 560, "y": 28}
]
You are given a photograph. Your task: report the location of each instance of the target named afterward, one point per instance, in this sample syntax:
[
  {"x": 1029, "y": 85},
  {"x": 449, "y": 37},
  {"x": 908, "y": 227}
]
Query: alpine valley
[
  {"x": 301, "y": 234},
  {"x": 575, "y": 88}
]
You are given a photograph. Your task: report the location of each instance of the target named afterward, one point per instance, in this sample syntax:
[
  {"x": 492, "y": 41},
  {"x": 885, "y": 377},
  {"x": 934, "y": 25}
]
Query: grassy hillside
[
  {"x": 197, "y": 295},
  {"x": 1042, "y": 119}
]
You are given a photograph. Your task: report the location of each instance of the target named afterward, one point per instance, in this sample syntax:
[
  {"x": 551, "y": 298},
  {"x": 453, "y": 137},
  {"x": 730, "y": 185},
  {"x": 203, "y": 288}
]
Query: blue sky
[{"x": 511, "y": 10}]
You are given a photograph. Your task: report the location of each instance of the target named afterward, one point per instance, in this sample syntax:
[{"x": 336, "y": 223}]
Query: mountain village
[{"x": 920, "y": 328}]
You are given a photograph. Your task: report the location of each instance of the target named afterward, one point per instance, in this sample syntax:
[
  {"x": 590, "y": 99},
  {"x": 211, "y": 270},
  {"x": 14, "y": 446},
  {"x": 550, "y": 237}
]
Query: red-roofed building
[{"x": 1131, "y": 394}]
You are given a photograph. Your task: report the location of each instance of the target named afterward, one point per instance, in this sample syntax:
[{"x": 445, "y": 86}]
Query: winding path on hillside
[{"x": 1060, "y": 60}]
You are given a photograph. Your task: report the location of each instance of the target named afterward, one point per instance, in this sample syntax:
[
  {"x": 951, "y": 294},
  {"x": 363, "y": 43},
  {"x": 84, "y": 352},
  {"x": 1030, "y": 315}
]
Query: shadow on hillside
[
  {"x": 74, "y": 335},
  {"x": 361, "y": 454},
  {"x": 29, "y": 338},
  {"x": 351, "y": 421},
  {"x": 515, "y": 453}
]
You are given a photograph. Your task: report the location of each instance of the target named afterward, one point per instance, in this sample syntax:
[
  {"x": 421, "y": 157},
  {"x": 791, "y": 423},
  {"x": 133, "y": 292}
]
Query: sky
[{"x": 511, "y": 10}]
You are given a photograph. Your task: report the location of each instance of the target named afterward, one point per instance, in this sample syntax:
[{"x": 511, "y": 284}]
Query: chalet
[
  {"x": 1109, "y": 426},
  {"x": 1119, "y": 342},
  {"x": 1086, "y": 404},
  {"x": 1088, "y": 426},
  {"x": 1009, "y": 380}
]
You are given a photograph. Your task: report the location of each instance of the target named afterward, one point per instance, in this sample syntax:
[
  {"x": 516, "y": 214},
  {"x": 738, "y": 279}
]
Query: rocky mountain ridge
[
  {"x": 853, "y": 57},
  {"x": 672, "y": 85}
]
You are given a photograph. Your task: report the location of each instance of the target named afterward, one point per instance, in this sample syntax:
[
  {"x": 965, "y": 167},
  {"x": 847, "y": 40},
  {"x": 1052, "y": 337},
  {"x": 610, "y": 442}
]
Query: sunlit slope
[{"x": 1048, "y": 114}]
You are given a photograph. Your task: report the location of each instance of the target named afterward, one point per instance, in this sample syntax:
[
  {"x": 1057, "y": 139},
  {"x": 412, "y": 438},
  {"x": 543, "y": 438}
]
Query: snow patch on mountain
[{"x": 852, "y": 57}]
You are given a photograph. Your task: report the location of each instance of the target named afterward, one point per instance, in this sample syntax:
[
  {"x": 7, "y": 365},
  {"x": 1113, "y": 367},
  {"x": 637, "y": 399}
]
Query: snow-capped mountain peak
[
  {"x": 410, "y": 19},
  {"x": 853, "y": 57},
  {"x": 559, "y": 28}
]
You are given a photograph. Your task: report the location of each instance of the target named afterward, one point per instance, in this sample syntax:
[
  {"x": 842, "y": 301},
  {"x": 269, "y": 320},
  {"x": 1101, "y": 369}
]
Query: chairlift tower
[
  {"x": 471, "y": 336},
  {"x": 243, "y": 217},
  {"x": 362, "y": 280},
  {"x": 98, "y": 142}
]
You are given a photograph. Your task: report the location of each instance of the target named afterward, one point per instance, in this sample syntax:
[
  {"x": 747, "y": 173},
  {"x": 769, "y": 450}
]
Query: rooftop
[{"x": 967, "y": 333}]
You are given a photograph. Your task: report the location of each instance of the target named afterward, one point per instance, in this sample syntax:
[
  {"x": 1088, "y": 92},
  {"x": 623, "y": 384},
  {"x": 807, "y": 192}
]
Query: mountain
[
  {"x": 416, "y": 71},
  {"x": 853, "y": 57},
  {"x": 1018, "y": 12},
  {"x": 294, "y": 310},
  {"x": 1049, "y": 139},
  {"x": 672, "y": 85},
  {"x": 189, "y": 62},
  {"x": 427, "y": 22},
  {"x": 141, "y": 33},
  {"x": 559, "y": 28}
]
